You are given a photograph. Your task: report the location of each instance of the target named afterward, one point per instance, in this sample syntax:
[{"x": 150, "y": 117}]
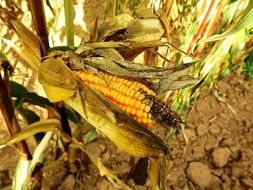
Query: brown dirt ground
[{"x": 219, "y": 154}]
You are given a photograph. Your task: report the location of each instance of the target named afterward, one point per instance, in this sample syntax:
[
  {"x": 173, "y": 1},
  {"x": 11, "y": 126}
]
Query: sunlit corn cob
[{"x": 133, "y": 97}]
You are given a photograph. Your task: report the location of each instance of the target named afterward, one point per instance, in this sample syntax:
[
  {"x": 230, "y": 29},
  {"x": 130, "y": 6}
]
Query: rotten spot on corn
[{"x": 135, "y": 98}]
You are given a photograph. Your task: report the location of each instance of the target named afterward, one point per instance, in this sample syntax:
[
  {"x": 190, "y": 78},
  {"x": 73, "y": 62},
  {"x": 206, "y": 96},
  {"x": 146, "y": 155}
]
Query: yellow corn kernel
[
  {"x": 145, "y": 120},
  {"x": 133, "y": 111},
  {"x": 132, "y": 102},
  {"x": 139, "y": 113},
  {"x": 138, "y": 104},
  {"x": 127, "y": 100},
  {"x": 147, "y": 109}
]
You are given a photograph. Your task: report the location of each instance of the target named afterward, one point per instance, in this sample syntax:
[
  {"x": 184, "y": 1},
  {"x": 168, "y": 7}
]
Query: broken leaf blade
[{"x": 40, "y": 126}]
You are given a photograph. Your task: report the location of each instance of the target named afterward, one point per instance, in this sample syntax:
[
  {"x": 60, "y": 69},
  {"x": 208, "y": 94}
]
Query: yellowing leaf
[
  {"x": 56, "y": 94},
  {"x": 27, "y": 37},
  {"x": 125, "y": 132},
  {"x": 40, "y": 126},
  {"x": 153, "y": 172},
  {"x": 26, "y": 53},
  {"x": 56, "y": 73},
  {"x": 77, "y": 103}
]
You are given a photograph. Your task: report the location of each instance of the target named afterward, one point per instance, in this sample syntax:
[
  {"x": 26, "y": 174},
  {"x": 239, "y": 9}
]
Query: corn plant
[{"x": 95, "y": 77}]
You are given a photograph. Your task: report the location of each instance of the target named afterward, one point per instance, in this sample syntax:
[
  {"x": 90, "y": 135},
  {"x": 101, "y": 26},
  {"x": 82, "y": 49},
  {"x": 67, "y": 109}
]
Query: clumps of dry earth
[{"x": 220, "y": 150}]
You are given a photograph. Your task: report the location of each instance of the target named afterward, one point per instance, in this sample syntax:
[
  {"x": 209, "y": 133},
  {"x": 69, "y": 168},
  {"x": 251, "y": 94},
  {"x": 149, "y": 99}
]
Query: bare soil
[{"x": 219, "y": 154}]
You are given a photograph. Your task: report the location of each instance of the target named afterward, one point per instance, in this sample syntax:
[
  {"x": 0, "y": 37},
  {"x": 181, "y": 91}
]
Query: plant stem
[
  {"x": 39, "y": 21},
  {"x": 8, "y": 113},
  {"x": 68, "y": 9},
  {"x": 114, "y": 8}
]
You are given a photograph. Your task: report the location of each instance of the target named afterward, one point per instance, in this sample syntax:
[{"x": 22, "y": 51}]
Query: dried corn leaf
[
  {"x": 119, "y": 60},
  {"x": 87, "y": 47},
  {"x": 153, "y": 171},
  {"x": 112, "y": 62},
  {"x": 27, "y": 37},
  {"x": 62, "y": 88},
  {"x": 176, "y": 80},
  {"x": 117, "y": 23},
  {"x": 25, "y": 53},
  {"x": 164, "y": 20},
  {"x": 144, "y": 30},
  {"x": 137, "y": 47},
  {"x": 93, "y": 10}
]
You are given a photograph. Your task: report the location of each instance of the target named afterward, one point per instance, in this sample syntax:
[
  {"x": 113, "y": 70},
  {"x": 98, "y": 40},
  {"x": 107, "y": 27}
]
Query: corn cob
[{"x": 133, "y": 97}]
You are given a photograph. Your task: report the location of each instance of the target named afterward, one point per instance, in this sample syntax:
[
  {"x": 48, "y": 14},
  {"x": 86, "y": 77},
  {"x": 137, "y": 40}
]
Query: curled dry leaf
[
  {"x": 30, "y": 50},
  {"x": 117, "y": 23},
  {"x": 109, "y": 60},
  {"x": 143, "y": 30}
]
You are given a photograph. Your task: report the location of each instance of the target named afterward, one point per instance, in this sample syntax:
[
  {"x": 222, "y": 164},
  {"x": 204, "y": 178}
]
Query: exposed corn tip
[{"x": 133, "y": 97}]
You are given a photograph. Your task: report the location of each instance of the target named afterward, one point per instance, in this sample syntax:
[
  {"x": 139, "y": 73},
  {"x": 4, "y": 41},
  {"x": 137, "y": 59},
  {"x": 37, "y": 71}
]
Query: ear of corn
[
  {"x": 123, "y": 131},
  {"x": 136, "y": 99}
]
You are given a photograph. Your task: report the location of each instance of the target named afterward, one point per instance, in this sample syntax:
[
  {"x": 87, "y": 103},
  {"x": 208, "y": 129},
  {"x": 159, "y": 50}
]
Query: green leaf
[
  {"x": 90, "y": 135},
  {"x": 248, "y": 65},
  {"x": 20, "y": 92},
  {"x": 19, "y": 102},
  {"x": 35, "y": 99},
  {"x": 17, "y": 89},
  {"x": 69, "y": 25},
  {"x": 244, "y": 20},
  {"x": 62, "y": 48},
  {"x": 72, "y": 115},
  {"x": 30, "y": 116},
  {"x": 32, "y": 98}
]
